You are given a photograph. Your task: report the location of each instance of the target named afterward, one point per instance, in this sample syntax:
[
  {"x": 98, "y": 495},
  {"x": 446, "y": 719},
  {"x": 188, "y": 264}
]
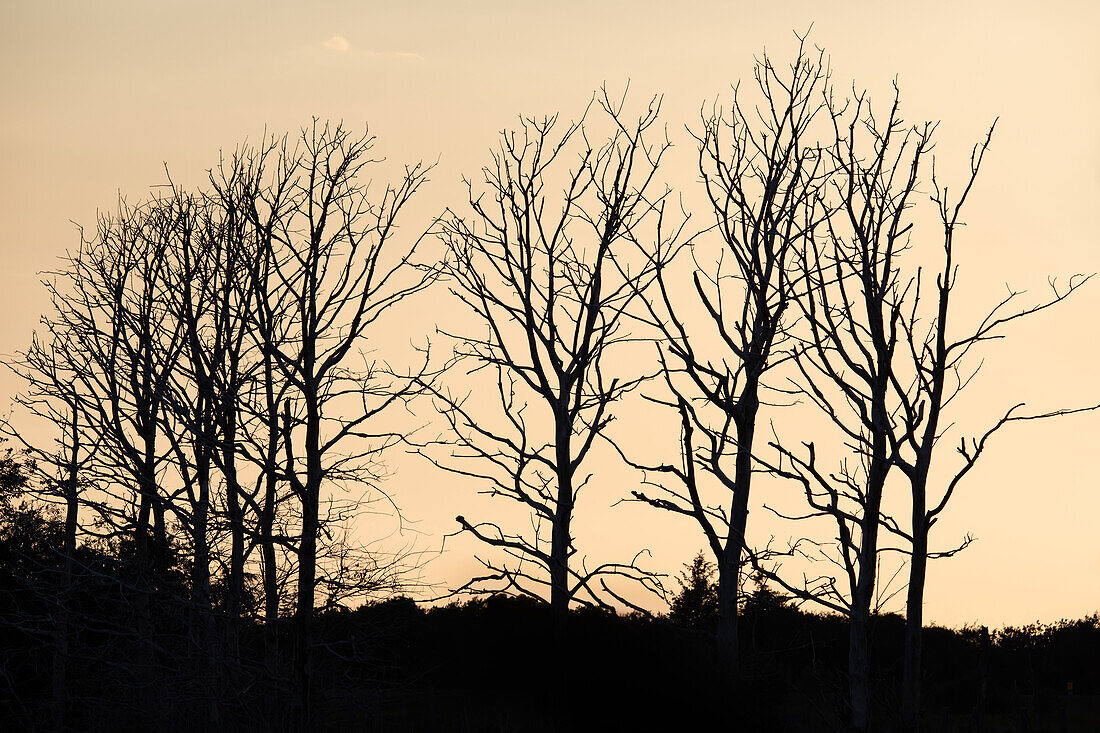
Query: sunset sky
[{"x": 96, "y": 98}]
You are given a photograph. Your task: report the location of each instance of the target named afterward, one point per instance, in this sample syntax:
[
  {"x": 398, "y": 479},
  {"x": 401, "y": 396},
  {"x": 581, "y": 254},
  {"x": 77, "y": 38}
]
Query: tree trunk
[
  {"x": 307, "y": 564},
  {"x": 235, "y": 591},
  {"x": 148, "y": 481},
  {"x": 559, "y": 559},
  {"x": 859, "y": 672},
  {"x": 859, "y": 639},
  {"x": 271, "y": 611},
  {"x": 270, "y": 572},
  {"x": 307, "y": 577},
  {"x": 560, "y": 534},
  {"x": 559, "y": 578},
  {"x": 200, "y": 588},
  {"x": 58, "y": 697},
  {"x": 729, "y": 571},
  {"x": 914, "y": 623}
]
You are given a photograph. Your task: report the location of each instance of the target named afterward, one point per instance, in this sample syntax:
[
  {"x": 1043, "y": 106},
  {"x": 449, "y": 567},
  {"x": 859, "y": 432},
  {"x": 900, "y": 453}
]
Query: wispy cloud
[
  {"x": 337, "y": 43},
  {"x": 340, "y": 44}
]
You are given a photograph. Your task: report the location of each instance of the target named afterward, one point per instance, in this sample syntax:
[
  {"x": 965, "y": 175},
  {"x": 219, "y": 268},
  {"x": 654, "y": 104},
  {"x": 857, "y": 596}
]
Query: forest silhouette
[{"x": 182, "y": 551}]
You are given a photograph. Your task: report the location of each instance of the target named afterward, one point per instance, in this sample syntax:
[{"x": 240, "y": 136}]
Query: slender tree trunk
[
  {"x": 307, "y": 565},
  {"x": 560, "y": 536},
  {"x": 307, "y": 577},
  {"x": 559, "y": 577},
  {"x": 200, "y": 584},
  {"x": 729, "y": 571},
  {"x": 151, "y": 558},
  {"x": 236, "y": 553},
  {"x": 59, "y": 698},
  {"x": 859, "y": 671},
  {"x": 728, "y": 612},
  {"x": 150, "y": 495},
  {"x": 859, "y": 642},
  {"x": 270, "y": 569},
  {"x": 559, "y": 559},
  {"x": 271, "y": 605},
  {"x": 235, "y": 590},
  {"x": 236, "y": 516},
  {"x": 914, "y": 618}
]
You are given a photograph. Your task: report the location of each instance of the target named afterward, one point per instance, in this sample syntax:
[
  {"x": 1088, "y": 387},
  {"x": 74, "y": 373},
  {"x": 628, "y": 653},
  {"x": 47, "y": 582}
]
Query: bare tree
[
  {"x": 930, "y": 374},
  {"x": 197, "y": 329},
  {"x": 327, "y": 249},
  {"x": 764, "y": 183},
  {"x": 104, "y": 378},
  {"x": 885, "y": 401},
  {"x": 853, "y": 309},
  {"x": 122, "y": 347},
  {"x": 49, "y": 395},
  {"x": 210, "y": 289},
  {"x": 548, "y": 278},
  {"x": 255, "y": 190}
]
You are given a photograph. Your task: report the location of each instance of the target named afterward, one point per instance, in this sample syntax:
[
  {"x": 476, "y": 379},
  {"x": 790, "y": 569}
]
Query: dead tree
[
  {"x": 546, "y": 275},
  {"x": 328, "y": 256},
  {"x": 110, "y": 299},
  {"x": 764, "y": 183},
  {"x": 853, "y": 310},
  {"x": 121, "y": 346},
  {"x": 58, "y": 472},
  {"x": 253, "y": 191},
  {"x": 931, "y": 372},
  {"x": 211, "y": 300}
]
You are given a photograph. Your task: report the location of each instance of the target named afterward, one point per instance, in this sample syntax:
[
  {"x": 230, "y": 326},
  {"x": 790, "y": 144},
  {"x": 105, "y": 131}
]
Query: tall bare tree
[
  {"x": 547, "y": 275},
  {"x": 853, "y": 310},
  {"x": 211, "y": 300},
  {"x": 254, "y": 189},
  {"x": 58, "y": 471},
  {"x": 764, "y": 178},
  {"x": 882, "y": 371},
  {"x": 113, "y": 339},
  {"x": 333, "y": 270},
  {"x": 931, "y": 371},
  {"x": 111, "y": 301}
]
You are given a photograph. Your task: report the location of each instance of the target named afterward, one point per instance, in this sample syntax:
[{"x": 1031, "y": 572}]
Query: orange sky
[{"x": 95, "y": 98}]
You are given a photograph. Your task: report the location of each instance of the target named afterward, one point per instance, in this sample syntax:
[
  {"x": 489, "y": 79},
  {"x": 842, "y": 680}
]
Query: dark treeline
[
  {"x": 394, "y": 665},
  {"x": 198, "y": 453}
]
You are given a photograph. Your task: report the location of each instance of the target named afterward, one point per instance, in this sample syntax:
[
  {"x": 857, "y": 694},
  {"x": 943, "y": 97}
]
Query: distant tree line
[{"x": 218, "y": 402}]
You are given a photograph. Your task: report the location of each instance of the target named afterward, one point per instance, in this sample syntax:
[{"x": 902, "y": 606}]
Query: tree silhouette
[
  {"x": 696, "y": 605},
  {"x": 764, "y": 181},
  {"x": 881, "y": 370},
  {"x": 934, "y": 363},
  {"x": 328, "y": 250},
  {"x": 547, "y": 276}
]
